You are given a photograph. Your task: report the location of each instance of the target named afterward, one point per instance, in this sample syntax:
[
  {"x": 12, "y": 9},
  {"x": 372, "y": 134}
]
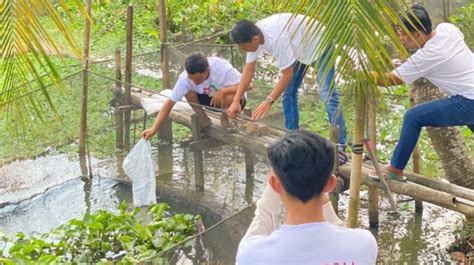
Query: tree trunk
[{"x": 447, "y": 141}]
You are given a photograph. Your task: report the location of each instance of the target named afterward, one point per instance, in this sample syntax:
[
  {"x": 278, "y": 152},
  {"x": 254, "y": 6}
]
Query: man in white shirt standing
[
  {"x": 291, "y": 40},
  {"x": 208, "y": 81},
  {"x": 445, "y": 60},
  {"x": 301, "y": 164}
]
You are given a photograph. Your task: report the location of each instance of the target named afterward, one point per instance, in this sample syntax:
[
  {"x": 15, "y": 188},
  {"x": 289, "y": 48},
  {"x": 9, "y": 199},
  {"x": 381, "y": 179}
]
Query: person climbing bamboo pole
[{"x": 443, "y": 58}]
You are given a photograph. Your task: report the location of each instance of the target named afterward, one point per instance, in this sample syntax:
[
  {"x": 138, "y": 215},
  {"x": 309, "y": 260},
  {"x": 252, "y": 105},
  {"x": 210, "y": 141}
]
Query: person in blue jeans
[
  {"x": 290, "y": 40},
  {"x": 445, "y": 60}
]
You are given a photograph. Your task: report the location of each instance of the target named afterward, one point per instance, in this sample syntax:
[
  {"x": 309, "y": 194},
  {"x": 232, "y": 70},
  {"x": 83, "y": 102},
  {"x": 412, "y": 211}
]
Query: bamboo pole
[
  {"x": 334, "y": 195},
  {"x": 357, "y": 150},
  {"x": 164, "y": 43},
  {"x": 418, "y": 191},
  {"x": 416, "y": 162},
  {"x": 85, "y": 89},
  {"x": 128, "y": 75},
  {"x": 453, "y": 189},
  {"x": 118, "y": 101},
  {"x": 372, "y": 134}
]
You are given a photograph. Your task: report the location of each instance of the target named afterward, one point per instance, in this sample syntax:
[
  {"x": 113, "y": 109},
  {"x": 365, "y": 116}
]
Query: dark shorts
[{"x": 205, "y": 100}]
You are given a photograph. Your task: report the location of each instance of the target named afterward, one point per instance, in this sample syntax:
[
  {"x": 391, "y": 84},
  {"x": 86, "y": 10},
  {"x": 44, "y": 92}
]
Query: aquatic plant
[{"x": 103, "y": 237}]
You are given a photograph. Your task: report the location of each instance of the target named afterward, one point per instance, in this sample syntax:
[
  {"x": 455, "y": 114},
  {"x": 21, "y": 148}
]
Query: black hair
[
  {"x": 303, "y": 162},
  {"x": 196, "y": 63},
  {"x": 420, "y": 21},
  {"x": 243, "y": 31}
]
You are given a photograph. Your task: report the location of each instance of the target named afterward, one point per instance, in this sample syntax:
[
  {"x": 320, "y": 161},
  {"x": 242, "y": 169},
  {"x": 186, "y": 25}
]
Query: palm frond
[{"x": 25, "y": 48}]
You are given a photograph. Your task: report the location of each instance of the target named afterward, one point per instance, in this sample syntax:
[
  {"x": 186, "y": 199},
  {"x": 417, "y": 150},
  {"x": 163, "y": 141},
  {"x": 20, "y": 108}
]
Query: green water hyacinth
[{"x": 103, "y": 237}]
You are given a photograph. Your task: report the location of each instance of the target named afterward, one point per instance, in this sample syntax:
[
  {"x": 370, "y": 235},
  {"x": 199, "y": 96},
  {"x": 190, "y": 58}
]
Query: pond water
[{"x": 404, "y": 238}]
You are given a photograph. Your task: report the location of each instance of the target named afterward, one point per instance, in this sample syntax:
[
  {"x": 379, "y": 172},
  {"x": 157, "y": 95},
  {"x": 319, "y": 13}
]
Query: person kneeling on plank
[{"x": 210, "y": 81}]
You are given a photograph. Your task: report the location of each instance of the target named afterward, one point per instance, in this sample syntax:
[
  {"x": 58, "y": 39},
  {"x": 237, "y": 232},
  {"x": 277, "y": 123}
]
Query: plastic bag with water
[{"x": 139, "y": 166}]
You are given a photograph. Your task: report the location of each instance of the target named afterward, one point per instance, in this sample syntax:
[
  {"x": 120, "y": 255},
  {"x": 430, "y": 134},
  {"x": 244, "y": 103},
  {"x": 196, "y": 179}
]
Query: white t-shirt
[
  {"x": 222, "y": 74},
  {"x": 311, "y": 243},
  {"x": 445, "y": 60},
  {"x": 287, "y": 39}
]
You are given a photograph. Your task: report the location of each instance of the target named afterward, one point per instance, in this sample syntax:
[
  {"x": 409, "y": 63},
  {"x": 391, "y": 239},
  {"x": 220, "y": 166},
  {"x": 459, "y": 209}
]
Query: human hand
[
  {"x": 218, "y": 99},
  {"x": 233, "y": 109},
  {"x": 148, "y": 133},
  {"x": 261, "y": 110}
]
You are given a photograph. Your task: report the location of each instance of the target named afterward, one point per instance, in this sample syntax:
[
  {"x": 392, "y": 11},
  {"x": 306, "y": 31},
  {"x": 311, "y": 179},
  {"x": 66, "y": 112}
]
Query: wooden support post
[
  {"x": 165, "y": 161},
  {"x": 128, "y": 75},
  {"x": 416, "y": 161},
  {"x": 372, "y": 133},
  {"x": 249, "y": 164},
  {"x": 85, "y": 89},
  {"x": 164, "y": 43},
  {"x": 357, "y": 151},
  {"x": 118, "y": 101},
  {"x": 333, "y": 137},
  {"x": 166, "y": 131},
  {"x": 198, "y": 159},
  {"x": 249, "y": 174}
]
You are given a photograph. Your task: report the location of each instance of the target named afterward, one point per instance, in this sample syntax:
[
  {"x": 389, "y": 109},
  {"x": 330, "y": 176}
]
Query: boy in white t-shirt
[
  {"x": 445, "y": 60},
  {"x": 301, "y": 173},
  {"x": 208, "y": 81}
]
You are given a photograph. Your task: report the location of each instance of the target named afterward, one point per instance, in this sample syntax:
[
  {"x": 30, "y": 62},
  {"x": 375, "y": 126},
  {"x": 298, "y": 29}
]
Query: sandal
[{"x": 388, "y": 175}]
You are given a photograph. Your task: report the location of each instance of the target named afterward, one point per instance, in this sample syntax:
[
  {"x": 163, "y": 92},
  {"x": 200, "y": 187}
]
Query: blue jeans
[
  {"x": 327, "y": 92},
  {"x": 453, "y": 111}
]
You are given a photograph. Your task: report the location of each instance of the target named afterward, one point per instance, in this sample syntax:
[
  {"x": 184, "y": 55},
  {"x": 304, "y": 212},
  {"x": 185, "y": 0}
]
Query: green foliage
[
  {"x": 25, "y": 47},
  {"x": 102, "y": 236},
  {"x": 464, "y": 20},
  {"x": 204, "y": 17}
]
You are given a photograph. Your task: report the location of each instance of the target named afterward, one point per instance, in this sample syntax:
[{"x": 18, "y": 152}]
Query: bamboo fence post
[
  {"x": 416, "y": 162},
  {"x": 357, "y": 150},
  {"x": 85, "y": 89},
  {"x": 164, "y": 43},
  {"x": 118, "y": 101},
  {"x": 372, "y": 134},
  {"x": 198, "y": 159},
  {"x": 128, "y": 76},
  {"x": 334, "y": 195}
]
